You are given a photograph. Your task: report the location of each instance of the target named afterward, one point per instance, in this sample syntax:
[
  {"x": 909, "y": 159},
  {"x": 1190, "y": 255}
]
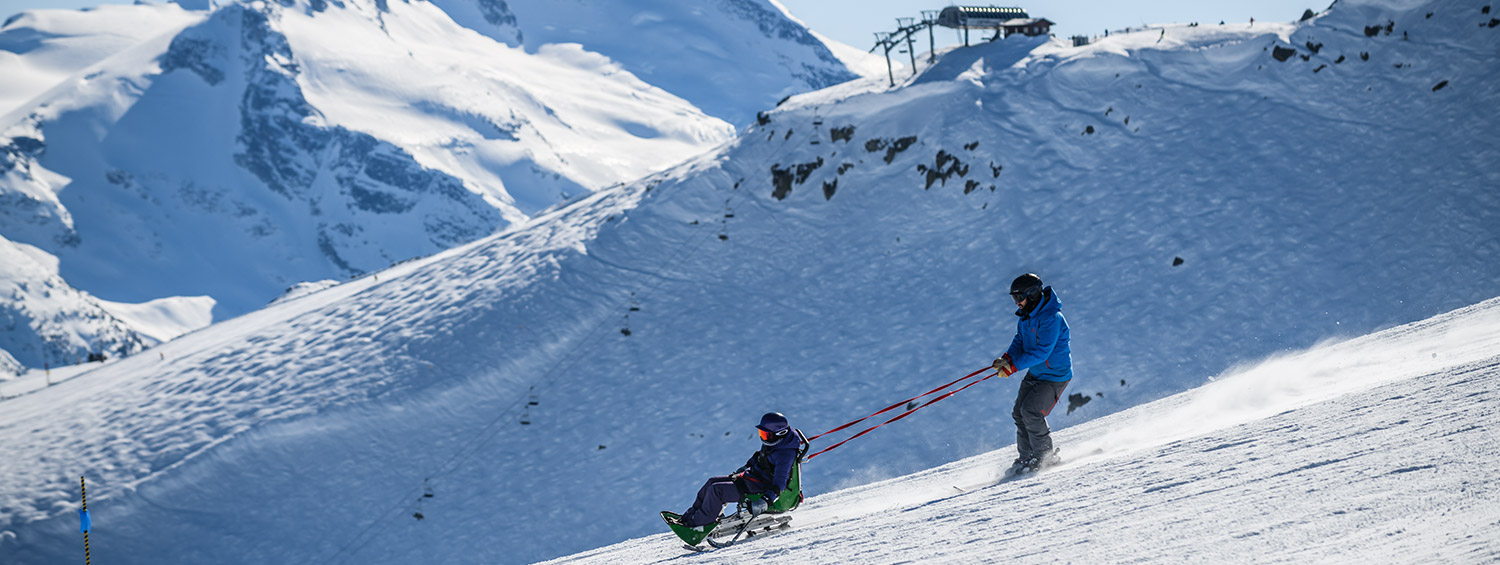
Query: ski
[
  {"x": 721, "y": 545},
  {"x": 760, "y": 523},
  {"x": 1025, "y": 471},
  {"x": 754, "y": 526}
]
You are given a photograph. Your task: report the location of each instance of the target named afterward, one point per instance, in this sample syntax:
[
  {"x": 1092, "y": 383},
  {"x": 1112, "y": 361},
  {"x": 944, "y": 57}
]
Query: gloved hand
[
  {"x": 758, "y": 506},
  {"x": 1004, "y": 366}
]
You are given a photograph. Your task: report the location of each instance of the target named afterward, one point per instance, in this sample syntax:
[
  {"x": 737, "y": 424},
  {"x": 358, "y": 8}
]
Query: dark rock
[
  {"x": 946, "y": 166},
  {"x": 788, "y": 135},
  {"x": 1439, "y": 86},
  {"x": 1088, "y": 130},
  {"x": 898, "y": 146},
  {"x": 1372, "y": 31},
  {"x": 845, "y": 133},
  {"x": 1282, "y": 53},
  {"x": 806, "y": 169},
  {"x": 829, "y": 186},
  {"x": 782, "y": 179},
  {"x": 1320, "y": 67},
  {"x": 20, "y": 149},
  {"x": 762, "y": 118},
  {"x": 1363, "y": 56},
  {"x": 192, "y": 54},
  {"x": 1176, "y": 262},
  {"x": 874, "y": 145},
  {"x": 1077, "y": 400},
  {"x": 995, "y": 169},
  {"x": 971, "y": 186},
  {"x": 970, "y": 146},
  {"x": 845, "y": 167},
  {"x": 1338, "y": 60},
  {"x": 1307, "y": 15},
  {"x": 496, "y": 12},
  {"x": 781, "y": 182}
]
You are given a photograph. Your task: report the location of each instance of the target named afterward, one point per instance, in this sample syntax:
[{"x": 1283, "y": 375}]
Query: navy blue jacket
[
  {"x": 1041, "y": 342},
  {"x": 770, "y": 468}
]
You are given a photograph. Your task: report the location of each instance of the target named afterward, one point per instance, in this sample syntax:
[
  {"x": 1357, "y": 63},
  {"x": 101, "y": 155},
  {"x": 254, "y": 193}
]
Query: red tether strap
[
  {"x": 898, "y": 404},
  {"x": 903, "y": 414}
]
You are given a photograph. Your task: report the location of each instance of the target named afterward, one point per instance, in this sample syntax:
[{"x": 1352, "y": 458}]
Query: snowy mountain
[
  {"x": 77, "y": 325},
  {"x": 731, "y": 58},
  {"x": 159, "y": 152},
  {"x": 556, "y": 384}
]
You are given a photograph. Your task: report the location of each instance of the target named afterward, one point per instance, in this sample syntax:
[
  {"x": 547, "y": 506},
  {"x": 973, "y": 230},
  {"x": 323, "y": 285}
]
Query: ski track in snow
[{"x": 1350, "y": 453}]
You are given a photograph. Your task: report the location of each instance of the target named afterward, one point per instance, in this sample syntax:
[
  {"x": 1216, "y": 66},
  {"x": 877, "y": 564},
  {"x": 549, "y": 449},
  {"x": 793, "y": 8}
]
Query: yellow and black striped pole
[{"x": 83, "y": 520}]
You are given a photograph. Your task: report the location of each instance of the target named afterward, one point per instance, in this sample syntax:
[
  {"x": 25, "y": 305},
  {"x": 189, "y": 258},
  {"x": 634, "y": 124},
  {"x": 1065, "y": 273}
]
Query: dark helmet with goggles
[{"x": 773, "y": 428}]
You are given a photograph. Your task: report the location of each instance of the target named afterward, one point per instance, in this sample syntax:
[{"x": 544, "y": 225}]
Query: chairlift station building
[{"x": 1006, "y": 21}]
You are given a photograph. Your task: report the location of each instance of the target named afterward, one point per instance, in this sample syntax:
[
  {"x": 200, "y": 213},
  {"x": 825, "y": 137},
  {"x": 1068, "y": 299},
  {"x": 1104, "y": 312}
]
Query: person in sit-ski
[{"x": 766, "y": 474}]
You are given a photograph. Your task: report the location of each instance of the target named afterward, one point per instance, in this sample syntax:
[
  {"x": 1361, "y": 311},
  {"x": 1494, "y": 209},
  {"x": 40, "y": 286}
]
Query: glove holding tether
[{"x": 1004, "y": 366}]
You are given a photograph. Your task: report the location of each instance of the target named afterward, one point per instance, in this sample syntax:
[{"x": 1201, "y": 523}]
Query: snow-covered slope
[
  {"x": 43, "y": 321},
  {"x": 41, "y": 49},
  {"x": 822, "y": 280},
  {"x": 1352, "y": 453}
]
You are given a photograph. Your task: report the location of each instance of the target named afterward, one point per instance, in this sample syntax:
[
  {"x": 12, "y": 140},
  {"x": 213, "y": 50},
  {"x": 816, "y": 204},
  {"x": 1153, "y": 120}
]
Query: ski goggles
[{"x": 766, "y": 435}]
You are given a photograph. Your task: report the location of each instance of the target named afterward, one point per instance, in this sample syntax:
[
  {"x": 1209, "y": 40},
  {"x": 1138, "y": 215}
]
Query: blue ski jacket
[
  {"x": 1041, "y": 342},
  {"x": 770, "y": 468}
]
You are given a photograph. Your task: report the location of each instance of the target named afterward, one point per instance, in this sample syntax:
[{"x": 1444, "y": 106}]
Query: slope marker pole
[{"x": 83, "y": 520}]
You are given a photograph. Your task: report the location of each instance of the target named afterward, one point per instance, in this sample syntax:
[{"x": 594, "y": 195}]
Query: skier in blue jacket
[
  {"x": 766, "y": 473},
  {"x": 1041, "y": 348}
]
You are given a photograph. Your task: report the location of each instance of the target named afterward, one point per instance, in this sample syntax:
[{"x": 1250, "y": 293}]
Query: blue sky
[{"x": 855, "y": 21}]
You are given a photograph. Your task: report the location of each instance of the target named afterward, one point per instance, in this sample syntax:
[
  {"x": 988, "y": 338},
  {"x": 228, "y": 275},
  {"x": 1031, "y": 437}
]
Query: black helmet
[
  {"x": 1025, "y": 286},
  {"x": 773, "y": 428}
]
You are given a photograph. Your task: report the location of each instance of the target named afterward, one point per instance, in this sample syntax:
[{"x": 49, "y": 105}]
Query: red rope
[{"x": 903, "y": 414}]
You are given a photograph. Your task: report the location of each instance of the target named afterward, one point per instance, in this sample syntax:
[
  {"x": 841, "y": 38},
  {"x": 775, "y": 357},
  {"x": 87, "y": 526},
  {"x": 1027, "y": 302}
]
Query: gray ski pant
[
  {"x": 715, "y": 493},
  {"x": 1034, "y": 401}
]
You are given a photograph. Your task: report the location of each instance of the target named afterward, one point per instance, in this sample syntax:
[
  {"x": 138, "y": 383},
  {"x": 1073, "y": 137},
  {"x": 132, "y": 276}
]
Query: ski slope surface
[
  {"x": 1371, "y": 450},
  {"x": 555, "y": 385}
]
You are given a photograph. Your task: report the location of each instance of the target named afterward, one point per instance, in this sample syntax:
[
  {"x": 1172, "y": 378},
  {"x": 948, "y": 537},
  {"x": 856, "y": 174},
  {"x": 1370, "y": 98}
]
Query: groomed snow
[{"x": 1366, "y": 451}]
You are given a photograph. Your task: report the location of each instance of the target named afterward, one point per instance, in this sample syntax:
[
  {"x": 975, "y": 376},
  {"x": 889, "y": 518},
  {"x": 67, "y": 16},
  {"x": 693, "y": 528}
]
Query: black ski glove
[{"x": 758, "y": 506}]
